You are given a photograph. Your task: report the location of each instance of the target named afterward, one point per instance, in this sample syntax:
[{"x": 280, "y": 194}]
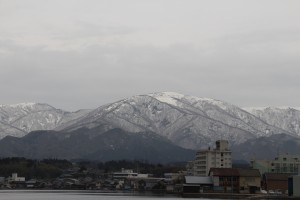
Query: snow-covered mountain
[
  {"x": 190, "y": 122},
  {"x": 19, "y": 119},
  {"x": 284, "y": 117},
  {"x": 187, "y": 121}
]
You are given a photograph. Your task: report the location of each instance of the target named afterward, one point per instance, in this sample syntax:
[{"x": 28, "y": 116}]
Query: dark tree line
[
  {"x": 157, "y": 170},
  {"x": 47, "y": 168},
  {"x": 52, "y": 168}
]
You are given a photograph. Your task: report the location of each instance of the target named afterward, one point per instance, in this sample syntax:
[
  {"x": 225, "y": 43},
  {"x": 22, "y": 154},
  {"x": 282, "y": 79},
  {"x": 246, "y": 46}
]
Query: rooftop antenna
[{"x": 137, "y": 167}]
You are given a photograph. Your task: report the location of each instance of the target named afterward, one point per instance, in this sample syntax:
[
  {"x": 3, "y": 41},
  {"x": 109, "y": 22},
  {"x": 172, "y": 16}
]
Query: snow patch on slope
[
  {"x": 174, "y": 99},
  {"x": 251, "y": 109},
  {"x": 277, "y": 108},
  {"x": 23, "y": 105},
  {"x": 20, "y": 119},
  {"x": 168, "y": 97}
]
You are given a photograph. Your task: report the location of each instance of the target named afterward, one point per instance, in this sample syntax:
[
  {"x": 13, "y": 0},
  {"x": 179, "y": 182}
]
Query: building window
[
  {"x": 291, "y": 168},
  {"x": 284, "y": 168}
]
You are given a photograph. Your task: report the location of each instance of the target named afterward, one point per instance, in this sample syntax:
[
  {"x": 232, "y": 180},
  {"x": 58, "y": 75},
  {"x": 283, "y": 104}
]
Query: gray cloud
[{"x": 94, "y": 53}]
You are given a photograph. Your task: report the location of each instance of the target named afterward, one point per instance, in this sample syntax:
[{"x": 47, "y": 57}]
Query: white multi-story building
[
  {"x": 15, "y": 178},
  {"x": 220, "y": 157},
  {"x": 283, "y": 163},
  {"x": 128, "y": 173}
]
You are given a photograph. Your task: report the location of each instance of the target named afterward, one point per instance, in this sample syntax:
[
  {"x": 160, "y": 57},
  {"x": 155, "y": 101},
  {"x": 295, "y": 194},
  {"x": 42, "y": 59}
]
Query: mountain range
[
  {"x": 20, "y": 119},
  {"x": 184, "y": 121}
]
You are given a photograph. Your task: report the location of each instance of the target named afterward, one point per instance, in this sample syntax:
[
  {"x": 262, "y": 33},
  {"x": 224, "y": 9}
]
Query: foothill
[{"x": 211, "y": 174}]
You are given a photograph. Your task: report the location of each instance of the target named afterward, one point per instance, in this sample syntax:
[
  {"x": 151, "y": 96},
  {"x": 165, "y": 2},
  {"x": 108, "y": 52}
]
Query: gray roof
[{"x": 198, "y": 180}]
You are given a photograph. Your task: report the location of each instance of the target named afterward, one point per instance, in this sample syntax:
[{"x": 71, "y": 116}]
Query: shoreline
[
  {"x": 235, "y": 196},
  {"x": 149, "y": 193}
]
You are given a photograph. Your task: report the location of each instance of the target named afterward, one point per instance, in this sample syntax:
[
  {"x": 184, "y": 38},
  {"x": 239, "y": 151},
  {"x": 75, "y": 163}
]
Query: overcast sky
[{"x": 76, "y": 54}]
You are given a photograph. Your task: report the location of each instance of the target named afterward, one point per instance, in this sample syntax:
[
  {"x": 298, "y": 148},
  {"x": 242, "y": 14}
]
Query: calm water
[{"x": 76, "y": 195}]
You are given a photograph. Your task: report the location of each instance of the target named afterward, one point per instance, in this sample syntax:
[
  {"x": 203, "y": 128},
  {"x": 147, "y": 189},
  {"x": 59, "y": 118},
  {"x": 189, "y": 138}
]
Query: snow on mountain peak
[
  {"x": 252, "y": 109},
  {"x": 18, "y": 105},
  {"x": 23, "y": 105},
  {"x": 273, "y": 108},
  {"x": 174, "y": 99},
  {"x": 215, "y": 102},
  {"x": 19, "y": 119},
  {"x": 167, "y": 97},
  {"x": 286, "y": 108}
]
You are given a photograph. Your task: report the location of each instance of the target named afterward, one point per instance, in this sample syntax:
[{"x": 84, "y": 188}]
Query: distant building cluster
[
  {"x": 281, "y": 164},
  {"x": 282, "y": 172},
  {"x": 12, "y": 181},
  {"x": 212, "y": 171},
  {"x": 93, "y": 179}
]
